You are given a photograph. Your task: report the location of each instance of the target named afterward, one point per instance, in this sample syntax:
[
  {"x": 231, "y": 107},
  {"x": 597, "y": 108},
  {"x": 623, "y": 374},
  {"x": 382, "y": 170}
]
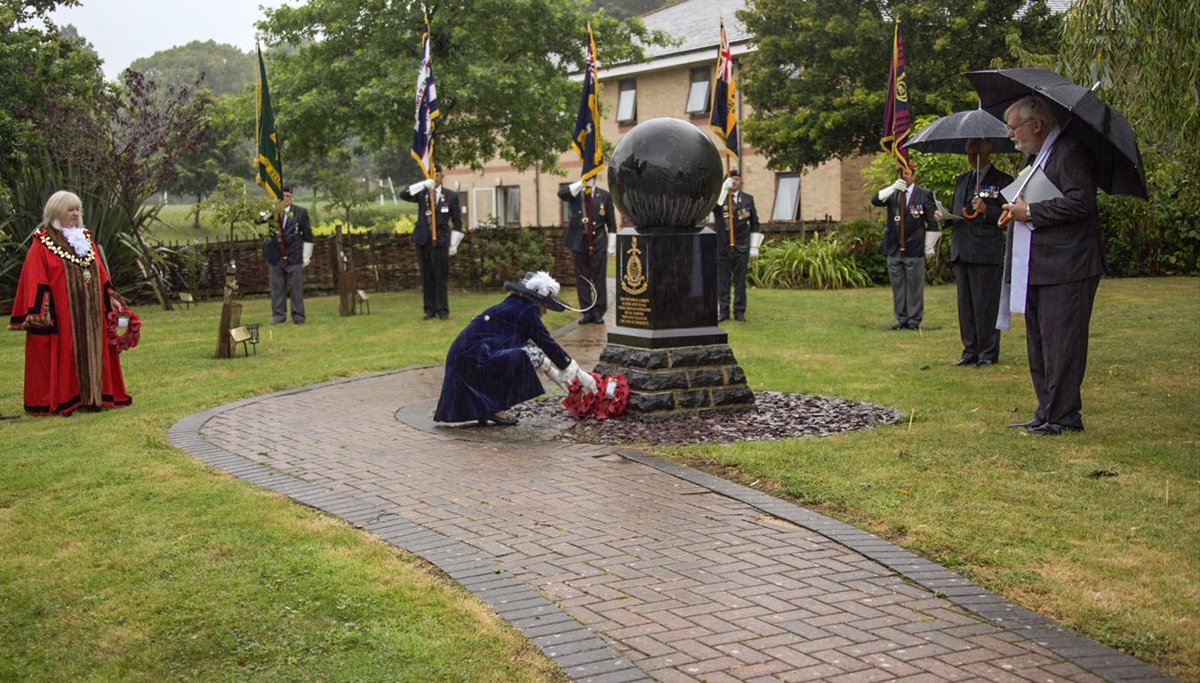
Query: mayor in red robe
[{"x": 63, "y": 299}]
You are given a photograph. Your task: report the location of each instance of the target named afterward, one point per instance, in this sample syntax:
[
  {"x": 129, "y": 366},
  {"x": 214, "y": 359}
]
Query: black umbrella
[
  {"x": 949, "y": 134},
  {"x": 1084, "y": 115}
]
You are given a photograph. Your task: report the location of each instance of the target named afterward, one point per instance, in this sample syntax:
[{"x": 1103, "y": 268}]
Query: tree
[
  {"x": 122, "y": 144},
  {"x": 817, "y": 80},
  {"x": 226, "y": 148},
  {"x": 230, "y": 204},
  {"x": 222, "y": 68},
  {"x": 1137, "y": 51},
  {"x": 502, "y": 72}
]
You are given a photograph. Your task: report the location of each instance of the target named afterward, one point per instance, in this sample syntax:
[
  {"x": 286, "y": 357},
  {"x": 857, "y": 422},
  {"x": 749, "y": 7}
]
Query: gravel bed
[{"x": 775, "y": 416}]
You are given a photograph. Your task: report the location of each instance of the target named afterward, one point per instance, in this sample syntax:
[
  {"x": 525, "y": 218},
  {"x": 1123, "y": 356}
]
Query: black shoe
[
  {"x": 427, "y": 316},
  {"x": 914, "y": 326},
  {"x": 1052, "y": 429},
  {"x": 899, "y": 326},
  {"x": 496, "y": 419},
  {"x": 1035, "y": 422},
  {"x": 723, "y": 317},
  {"x": 983, "y": 363},
  {"x": 965, "y": 361},
  {"x": 443, "y": 316},
  {"x": 740, "y": 318}
]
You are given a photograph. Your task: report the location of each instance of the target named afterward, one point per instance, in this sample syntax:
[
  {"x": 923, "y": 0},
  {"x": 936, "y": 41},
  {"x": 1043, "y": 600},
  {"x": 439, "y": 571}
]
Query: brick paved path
[{"x": 625, "y": 567}]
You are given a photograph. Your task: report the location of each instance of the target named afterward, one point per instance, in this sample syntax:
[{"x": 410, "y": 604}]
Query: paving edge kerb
[{"x": 585, "y": 656}]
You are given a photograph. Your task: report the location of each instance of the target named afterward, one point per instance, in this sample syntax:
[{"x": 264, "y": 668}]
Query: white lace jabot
[{"x": 79, "y": 242}]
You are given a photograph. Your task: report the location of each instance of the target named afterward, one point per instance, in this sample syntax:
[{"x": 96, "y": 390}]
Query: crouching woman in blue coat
[{"x": 493, "y": 364}]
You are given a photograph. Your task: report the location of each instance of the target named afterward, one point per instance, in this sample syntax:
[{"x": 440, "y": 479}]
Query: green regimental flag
[{"x": 268, "y": 161}]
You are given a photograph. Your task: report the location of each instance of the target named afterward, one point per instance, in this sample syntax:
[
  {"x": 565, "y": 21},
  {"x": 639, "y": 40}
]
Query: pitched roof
[{"x": 697, "y": 24}]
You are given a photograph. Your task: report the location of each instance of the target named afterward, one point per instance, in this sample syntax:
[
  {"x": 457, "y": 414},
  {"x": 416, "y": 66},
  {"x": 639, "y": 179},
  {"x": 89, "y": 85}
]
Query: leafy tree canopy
[
  {"x": 221, "y": 68},
  {"x": 502, "y": 71},
  {"x": 817, "y": 81}
]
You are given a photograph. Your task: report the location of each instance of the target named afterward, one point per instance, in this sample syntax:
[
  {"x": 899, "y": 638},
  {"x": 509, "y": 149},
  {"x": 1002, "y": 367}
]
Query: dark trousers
[
  {"x": 732, "y": 263},
  {"x": 286, "y": 281},
  {"x": 434, "y": 263},
  {"x": 1056, "y": 327},
  {"x": 978, "y": 304},
  {"x": 594, "y": 267}
]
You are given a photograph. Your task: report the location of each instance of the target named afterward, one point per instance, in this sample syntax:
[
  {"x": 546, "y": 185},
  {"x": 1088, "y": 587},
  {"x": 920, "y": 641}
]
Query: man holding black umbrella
[
  {"x": 977, "y": 252},
  {"x": 1058, "y": 267}
]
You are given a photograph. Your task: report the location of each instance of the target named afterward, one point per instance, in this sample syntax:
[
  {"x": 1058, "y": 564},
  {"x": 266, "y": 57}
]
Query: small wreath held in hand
[
  {"x": 609, "y": 401},
  {"x": 133, "y": 329}
]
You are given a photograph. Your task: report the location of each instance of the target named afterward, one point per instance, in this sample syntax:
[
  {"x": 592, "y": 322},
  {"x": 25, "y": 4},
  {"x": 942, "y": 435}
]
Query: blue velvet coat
[{"x": 487, "y": 369}]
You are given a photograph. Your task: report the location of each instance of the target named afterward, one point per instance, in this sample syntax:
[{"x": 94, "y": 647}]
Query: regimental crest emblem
[{"x": 633, "y": 280}]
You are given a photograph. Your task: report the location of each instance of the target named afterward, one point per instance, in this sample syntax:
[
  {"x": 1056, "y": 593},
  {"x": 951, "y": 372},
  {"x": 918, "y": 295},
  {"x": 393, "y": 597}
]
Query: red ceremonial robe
[{"x": 62, "y": 304}]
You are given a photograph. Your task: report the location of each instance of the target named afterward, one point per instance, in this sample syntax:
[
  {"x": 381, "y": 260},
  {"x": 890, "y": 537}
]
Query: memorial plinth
[{"x": 665, "y": 176}]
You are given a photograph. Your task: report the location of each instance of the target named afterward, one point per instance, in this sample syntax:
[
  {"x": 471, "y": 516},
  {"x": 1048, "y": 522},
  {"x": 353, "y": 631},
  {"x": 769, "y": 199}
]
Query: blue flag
[
  {"x": 427, "y": 109},
  {"x": 586, "y": 138}
]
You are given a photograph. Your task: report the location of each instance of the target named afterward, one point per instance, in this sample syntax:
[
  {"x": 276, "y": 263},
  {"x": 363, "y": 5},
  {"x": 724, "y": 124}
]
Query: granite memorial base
[{"x": 671, "y": 381}]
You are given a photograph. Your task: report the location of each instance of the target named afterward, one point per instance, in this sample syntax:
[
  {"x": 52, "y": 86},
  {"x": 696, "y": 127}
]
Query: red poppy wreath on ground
[
  {"x": 133, "y": 333},
  {"x": 609, "y": 401}
]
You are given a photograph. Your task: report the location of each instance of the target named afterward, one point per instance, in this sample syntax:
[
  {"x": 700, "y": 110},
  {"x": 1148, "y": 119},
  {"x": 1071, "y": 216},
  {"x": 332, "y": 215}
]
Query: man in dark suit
[
  {"x": 589, "y": 256},
  {"x": 910, "y": 212},
  {"x": 733, "y": 261},
  {"x": 438, "y": 212},
  {"x": 977, "y": 252},
  {"x": 1064, "y": 265},
  {"x": 287, "y": 252}
]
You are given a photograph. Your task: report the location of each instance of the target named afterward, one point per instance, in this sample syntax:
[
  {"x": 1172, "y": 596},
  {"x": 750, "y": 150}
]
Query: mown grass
[
  {"x": 175, "y": 222},
  {"x": 126, "y": 559},
  {"x": 1117, "y": 557}
]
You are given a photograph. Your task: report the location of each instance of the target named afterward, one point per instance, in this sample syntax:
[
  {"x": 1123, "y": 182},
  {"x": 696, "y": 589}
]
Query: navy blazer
[
  {"x": 745, "y": 221},
  {"x": 978, "y": 240},
  {"x": 296, "y": 231},
  {"x": 918, "y": 217},
  {"x": 604, "y": 219},
  {"x": 448, "y": 214}
]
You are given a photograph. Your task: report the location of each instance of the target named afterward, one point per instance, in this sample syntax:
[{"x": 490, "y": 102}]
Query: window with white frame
[
  {"x": 698, "y": 98},
  {"x": 508, "y": 201},
  {"x": 627, "y": 101},
  {"x": 787, "y": 197}
]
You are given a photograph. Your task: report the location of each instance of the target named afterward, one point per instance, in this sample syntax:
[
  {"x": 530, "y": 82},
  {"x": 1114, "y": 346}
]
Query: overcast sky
[{"x": 125, "y": 30}]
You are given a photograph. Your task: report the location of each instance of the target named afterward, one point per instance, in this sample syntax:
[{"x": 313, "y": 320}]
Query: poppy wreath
[
  {"x": 122, "y": 342},
  {"x": 609, "y": 401}
]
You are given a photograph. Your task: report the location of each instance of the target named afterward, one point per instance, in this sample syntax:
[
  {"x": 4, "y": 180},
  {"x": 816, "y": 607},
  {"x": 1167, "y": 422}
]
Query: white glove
[
  {"x": 898, "y": 186},
  {"x": 725, "y": 188},
  {"x": 555, "y": 375},
  {"x": 586, "y": 380},
  {"x": 575, "y": 188},
  {"x": 308, "y": 249},
  {"x": 424, "y": 185}
]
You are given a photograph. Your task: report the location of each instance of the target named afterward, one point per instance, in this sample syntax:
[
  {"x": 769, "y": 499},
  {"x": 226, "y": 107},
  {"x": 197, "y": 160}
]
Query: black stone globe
[{"x": 665, "y": 173}]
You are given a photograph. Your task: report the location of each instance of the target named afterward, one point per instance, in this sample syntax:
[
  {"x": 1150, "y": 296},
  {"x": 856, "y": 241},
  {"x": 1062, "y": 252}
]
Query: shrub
[
  {"x": 192, "y": 262},
  {"x": 499, "y": 254},
  {"x": 817, "y": 263},
  {"x": 863, "y": 240}
]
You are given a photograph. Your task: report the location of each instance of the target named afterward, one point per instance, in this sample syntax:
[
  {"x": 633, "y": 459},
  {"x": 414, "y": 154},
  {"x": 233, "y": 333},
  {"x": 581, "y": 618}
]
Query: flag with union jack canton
[
  {"x": 586, "y": 138},
  {"x": 724, "y": 121},
  {"x": 267, "y": 157},
  {"x": 427, "y": 109},
  {"x": 897, "y": 118}
]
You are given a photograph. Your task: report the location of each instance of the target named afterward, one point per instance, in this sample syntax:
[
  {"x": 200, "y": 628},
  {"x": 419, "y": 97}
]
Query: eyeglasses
[{"x": 1013, "y": 129}]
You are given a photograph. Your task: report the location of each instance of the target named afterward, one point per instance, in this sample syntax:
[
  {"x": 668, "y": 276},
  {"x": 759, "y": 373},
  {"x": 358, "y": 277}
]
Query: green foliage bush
[
  {"x": 1158, "y": 237},
  {"x": 499, "y": 254},
  {"x": 863, "y": 240},
  {"x": 817, "y": 263}
]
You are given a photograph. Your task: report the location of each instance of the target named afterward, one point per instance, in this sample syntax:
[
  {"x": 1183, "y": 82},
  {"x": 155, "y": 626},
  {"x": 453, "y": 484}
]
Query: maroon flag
[{"x": 896, "y": 118}]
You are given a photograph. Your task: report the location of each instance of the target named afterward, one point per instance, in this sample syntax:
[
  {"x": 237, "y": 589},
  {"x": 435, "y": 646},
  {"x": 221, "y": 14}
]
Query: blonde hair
[{"x": 57, "y": 206}]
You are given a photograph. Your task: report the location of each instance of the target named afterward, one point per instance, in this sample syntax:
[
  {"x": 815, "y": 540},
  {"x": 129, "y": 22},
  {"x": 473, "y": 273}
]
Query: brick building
[{"x": 676, "y": 81}]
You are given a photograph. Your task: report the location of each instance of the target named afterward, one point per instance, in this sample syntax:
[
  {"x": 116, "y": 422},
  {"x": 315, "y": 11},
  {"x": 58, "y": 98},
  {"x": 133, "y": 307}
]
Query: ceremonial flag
[
  {"x": 586, "y": 138},
  {"x": 724, "y": 96},
  {"x": 896, "y": 118},
  {"x": 427, "y": 109},
  {"x": 268, "y": 159}
]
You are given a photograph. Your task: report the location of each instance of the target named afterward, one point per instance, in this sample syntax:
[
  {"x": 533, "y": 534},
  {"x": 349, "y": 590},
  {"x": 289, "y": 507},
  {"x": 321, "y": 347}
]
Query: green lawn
[
  {"x": 124, "y": 558},
  {"x": 176, "y": 223}
]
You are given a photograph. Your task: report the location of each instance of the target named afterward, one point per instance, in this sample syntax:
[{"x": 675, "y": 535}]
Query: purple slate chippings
[{"x": 776, "y": 416}]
